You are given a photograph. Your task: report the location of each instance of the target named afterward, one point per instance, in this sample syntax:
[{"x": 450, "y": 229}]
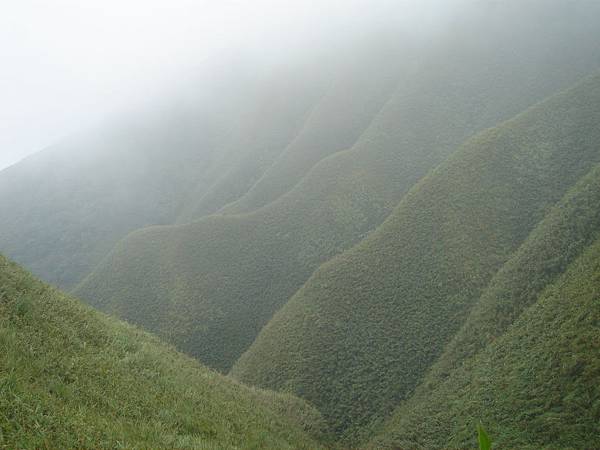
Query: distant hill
[
  {"x": 74, "y": 378},
  {"x": 64, "y": 208},
  {"x": 363, "y": 82},
  {"x": 362, "y": 333},
  {"x": 210, "y": 286}
]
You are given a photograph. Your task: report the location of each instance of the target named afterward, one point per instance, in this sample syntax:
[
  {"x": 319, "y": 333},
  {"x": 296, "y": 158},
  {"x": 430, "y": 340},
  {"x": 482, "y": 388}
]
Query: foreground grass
[{"x": 74, "y": 378}]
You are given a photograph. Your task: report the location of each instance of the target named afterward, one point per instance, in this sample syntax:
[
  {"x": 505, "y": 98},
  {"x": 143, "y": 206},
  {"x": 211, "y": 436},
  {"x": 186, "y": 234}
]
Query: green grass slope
[
  {"x": 526, "y": 362},
  {"x": 73, "y": 378},
  {"x": 63, "y": 209},
  {"x": 571, "y": 226},
  {"x": 363, "y": 331},
  {"x": 209, "y": 287}
]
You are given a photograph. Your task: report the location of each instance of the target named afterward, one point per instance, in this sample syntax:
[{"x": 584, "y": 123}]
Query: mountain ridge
[{"x": 376, "y": 305}]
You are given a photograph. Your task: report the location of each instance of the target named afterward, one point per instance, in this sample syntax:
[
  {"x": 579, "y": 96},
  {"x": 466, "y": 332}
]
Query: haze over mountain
[
  {"x": 379, "y": 233},
  {"x": 230, "y": 94},
  {"x": 210, "y": 286},
  {"x": 68, "y": 64}
]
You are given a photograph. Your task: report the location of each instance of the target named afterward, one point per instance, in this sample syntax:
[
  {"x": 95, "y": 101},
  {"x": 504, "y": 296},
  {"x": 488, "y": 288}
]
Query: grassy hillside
[
  {"x": 210, "y": 287},
  {"x": 526, "y": 363},
  {"x": 63, "y": 209},
  {"x": 567, "y": 230},
  {"x": 74, "y": 378},
  {"x": 363, "y": 331}
]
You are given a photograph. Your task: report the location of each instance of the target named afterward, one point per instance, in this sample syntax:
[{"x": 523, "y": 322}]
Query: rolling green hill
[
  {"x": 63, "y": 209},
  {"x": 73, "y": 378},
  {"x": 361, "y": 334},
  {"x": 526, "y": 362},
  {"x": 210, "y": 286}
]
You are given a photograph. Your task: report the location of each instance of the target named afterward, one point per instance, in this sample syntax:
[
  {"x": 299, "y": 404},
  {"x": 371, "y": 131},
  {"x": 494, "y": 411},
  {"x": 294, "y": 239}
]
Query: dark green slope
[
  {"x": 362, "y": 332},
  {"x": 211, "y": 286},
  {"x": 571, "y": 226},
  {"x": 74, "y": 378},
  {"x": 526, "y": 362},
  {"x": 63, "y": 209}
]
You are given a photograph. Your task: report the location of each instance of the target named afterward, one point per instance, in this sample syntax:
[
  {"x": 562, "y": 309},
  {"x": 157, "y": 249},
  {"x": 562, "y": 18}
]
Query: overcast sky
[{"x": 65, "y": 64}]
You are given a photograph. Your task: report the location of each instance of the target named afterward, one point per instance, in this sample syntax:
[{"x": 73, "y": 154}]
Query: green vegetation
[
  {"x": 485, "y": 443},
  {"x": 534, "y": 381},
  {"x": 74, "y": 378},
  {"x": 361, "y": 334},
  {"x": 210, "y": 286}
]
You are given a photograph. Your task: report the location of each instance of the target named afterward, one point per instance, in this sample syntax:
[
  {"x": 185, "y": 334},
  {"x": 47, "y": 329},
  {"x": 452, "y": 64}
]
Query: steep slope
[
  {"x": 362, "y": 332},
  {"x": 526, "y": 360},
  {"x": 73, "y": 378},
  {"x": 209, "y": 287},
  {"x": 64, "y": 208}
]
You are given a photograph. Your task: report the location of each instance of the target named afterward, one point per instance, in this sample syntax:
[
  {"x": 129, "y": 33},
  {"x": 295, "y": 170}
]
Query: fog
[{"x": 67, "y": 64}]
